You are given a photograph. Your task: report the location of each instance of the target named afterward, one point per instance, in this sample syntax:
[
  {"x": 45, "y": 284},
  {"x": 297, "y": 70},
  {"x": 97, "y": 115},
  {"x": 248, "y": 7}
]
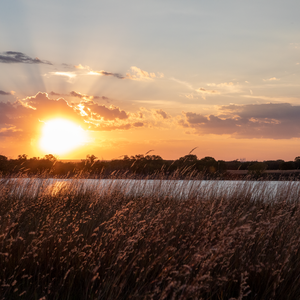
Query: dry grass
[{"x": 73, "y": 243}]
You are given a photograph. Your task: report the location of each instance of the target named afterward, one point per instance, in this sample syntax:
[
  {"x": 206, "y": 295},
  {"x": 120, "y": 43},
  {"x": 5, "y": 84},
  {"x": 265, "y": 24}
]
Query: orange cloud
[{"x": 272, "y": 79}]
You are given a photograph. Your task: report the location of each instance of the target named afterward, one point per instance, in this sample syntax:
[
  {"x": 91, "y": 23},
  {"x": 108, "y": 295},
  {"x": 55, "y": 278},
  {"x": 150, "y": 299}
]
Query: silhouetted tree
[
  {"x": 22, "y": 157},
  {"x": 50, "y": 157},
  {"x": 91, "y": 158}
]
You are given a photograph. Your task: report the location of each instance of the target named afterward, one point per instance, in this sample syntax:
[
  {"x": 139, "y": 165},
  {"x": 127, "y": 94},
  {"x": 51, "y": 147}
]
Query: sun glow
[{"x": 60, "y": 136}]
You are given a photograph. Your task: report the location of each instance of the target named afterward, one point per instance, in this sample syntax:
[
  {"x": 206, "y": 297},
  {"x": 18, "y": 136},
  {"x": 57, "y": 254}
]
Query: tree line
[{"x": 137, "y": 165}]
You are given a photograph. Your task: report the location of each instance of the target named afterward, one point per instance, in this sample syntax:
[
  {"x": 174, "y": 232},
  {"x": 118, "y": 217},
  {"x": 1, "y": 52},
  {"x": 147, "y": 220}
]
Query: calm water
[{"x": 177, "y": 188}]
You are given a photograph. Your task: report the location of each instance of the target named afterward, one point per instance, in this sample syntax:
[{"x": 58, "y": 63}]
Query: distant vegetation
[
  {"x": 73, "y": 244},
  {"x": 141, "y": 166}
]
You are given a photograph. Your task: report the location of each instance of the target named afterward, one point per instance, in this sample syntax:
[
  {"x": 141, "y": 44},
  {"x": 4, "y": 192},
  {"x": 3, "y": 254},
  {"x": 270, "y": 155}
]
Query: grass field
[{"x": 71, "y": 243}]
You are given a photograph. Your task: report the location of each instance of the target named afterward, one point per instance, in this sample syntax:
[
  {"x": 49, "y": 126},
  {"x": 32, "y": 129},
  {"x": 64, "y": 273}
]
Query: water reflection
[{"x": 179, "y": 189}]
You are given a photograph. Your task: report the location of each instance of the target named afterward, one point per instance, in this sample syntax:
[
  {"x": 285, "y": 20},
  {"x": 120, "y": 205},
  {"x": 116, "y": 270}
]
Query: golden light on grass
[{"x": 60, "y": 136}]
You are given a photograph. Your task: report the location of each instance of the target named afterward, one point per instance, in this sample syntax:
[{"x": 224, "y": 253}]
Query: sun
[{"x": 60, "y": 136}]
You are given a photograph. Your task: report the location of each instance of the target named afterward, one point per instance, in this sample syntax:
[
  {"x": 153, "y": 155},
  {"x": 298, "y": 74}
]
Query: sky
[{"x": 167, "y": 76}]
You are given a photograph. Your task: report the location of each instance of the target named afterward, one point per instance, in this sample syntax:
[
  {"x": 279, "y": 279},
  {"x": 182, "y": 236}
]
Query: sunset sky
[{"x": 162, "y": 75}]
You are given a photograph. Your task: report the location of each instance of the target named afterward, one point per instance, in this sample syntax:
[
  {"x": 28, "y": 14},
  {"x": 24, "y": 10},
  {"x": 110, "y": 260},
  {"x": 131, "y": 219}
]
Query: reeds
[{"x": 71, "y": 242}]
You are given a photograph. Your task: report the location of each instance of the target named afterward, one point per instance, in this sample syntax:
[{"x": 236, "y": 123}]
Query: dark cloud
[
  {"x": 208, "y": 91},
  {"x": 138, "y": 124},
  {"x": 162, "y": 113},
  {"x": 274, "y": 121},
  {"x": 101, "y": 97},
  {"x": 54, "y": 94},
  {"x": 280, "y": 111},
  {"x": 117, "y": 75},
  {"x": 68, "y": 66},
  {"x": 87, "y": 97},
  {"x": 2, "y": 93},
  {"x": 12, "y": 57},
  {"x": 78, "y": 95}
]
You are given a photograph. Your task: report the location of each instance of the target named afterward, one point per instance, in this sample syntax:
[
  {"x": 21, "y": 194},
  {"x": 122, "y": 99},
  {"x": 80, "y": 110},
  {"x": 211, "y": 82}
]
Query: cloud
[
  {"x": 222, "y": 84},
  {"x": 23, "y": 118},
  {"x": 110, "y": 127},
  {"x": 104, "y": 73},
  {"x": 162, "y": 114},
  {"x": 12, "y": 57},
  {"x": 273, "y": 121},
  {"x": 54, "y": 94},
  {"x": 95, "y": 111},
  {"x": 202, "y": 90},
  {"x": 205, "y": 92},
  {"x": 134, "y": 74},
  {"x": 70, "y": 75},
  {"x": 138, "y": 124},
  {"x": 221, "y": 88},
  {"x": 272, "y": 79},
  {"x": 139, "y": 74},
  {"x": 188, "y": 85},
  {"x": 79, "y": 95},
  {"x": 87, "y": 97},
  {"x": 80, "y": 67},
  {"x": 2, "y": 93},
  {"x": 190, "y": 96},
  {"x": 46, "y": 108},
  {"x": 98, "y": 73}
]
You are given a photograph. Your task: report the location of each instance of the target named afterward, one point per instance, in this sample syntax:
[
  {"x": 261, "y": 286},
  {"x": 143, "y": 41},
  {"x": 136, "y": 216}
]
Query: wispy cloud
[
  {"x": 185, "y": 83},
  {"x": 105, "y": 73},
  {"x": 205, "y": 91},
  {"x": 134, "y": 74},
  {"x": 222, "y": 84},
  {"x": 87, "y": 97},
  {"x": 110, "y": 127},
  {"x": 218, "y": 88},
  {"x": 272, "y": 79},
  {"x": 13, "y": 57},
  {"x": 70, "y": 75},
  {"x": 190, "y": 96}
]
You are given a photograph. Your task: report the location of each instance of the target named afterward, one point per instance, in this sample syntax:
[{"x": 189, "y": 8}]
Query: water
[{"x": 179, "y": 189}]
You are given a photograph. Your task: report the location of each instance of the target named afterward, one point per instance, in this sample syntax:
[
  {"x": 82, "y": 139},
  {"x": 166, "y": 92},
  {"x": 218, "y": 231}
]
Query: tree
[
  {"x": 50, "y": 157},
  {"x": 3, "y": 158},
  {"x": 22, "y": 157},
  {"x": 91, "y": 158},
  {"x": 190, "y": 158},
  {"x": 287, "y": 165},
  {"x": 258, "y": 166},
  {"x": 153, "y": 157}
]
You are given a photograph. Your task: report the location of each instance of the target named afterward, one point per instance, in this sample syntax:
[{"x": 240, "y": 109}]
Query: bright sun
[{"x": 60, "y": 136}]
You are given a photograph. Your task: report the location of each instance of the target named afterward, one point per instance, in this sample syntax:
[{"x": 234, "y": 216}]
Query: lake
[{"x": 179, "y": 189}]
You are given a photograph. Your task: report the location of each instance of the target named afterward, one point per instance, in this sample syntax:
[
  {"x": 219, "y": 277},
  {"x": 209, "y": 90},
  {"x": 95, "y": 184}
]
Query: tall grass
[{"x": 76, "y": 243}]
